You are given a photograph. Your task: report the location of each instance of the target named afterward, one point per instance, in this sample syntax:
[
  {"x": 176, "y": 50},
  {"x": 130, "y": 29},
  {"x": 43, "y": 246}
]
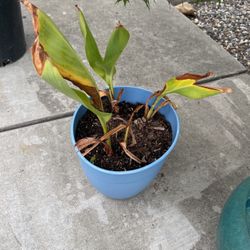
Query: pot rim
[{"x": 134, "y": 171}]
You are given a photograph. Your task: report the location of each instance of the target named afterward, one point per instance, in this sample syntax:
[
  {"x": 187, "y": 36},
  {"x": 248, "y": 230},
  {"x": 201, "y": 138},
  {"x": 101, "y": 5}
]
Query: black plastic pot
[{"x": 12, "y": 42}]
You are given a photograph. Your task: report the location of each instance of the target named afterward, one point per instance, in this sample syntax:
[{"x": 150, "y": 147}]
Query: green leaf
[
  {"x": 91, "y": 49},
  {"x": 117, "y": 43},
  {"x": 53, "y": 77},
  {"x": 185, "y": 85},
  {"x": 105, "y": 68}
]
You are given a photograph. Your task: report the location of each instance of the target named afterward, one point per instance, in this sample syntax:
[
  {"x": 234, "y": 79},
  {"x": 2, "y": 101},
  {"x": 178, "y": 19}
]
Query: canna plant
[{"x": 57, "y": 62}]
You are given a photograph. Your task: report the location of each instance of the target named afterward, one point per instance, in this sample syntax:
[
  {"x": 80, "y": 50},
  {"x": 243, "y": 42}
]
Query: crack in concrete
[{"x": 15, "y": 236}]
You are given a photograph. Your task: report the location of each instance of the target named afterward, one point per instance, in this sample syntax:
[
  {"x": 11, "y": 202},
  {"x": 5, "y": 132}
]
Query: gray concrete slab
[
  {"x": 163, "y": 43},
  {"x": 25, "y": 97},
  {"x": 47, "y": 203}
]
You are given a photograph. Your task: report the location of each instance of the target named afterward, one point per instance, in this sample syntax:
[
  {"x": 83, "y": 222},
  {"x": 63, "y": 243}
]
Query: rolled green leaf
[
  {"x": 117, "y": 43},
  {"x": 91, "y": 49}
]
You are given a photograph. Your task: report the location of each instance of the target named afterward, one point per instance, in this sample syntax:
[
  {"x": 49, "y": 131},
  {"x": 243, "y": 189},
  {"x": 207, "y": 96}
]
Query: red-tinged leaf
[
  {"x": 186, "y": 85},
  {"x": 193, "y": 76}
]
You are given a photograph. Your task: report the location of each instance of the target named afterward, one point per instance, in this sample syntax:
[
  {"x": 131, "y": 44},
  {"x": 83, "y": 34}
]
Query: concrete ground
[{"x": 46, "y": 201}]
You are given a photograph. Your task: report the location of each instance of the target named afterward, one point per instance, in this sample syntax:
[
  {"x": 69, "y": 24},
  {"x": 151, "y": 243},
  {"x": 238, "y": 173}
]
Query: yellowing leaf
[
  {"x": 52, "y": 76},
  {"x": 186, "y": 85},
  {"x": 52, "y": 44}
]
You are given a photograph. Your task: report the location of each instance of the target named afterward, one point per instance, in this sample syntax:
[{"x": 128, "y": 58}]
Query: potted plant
[{"x": 122, "y": 135}]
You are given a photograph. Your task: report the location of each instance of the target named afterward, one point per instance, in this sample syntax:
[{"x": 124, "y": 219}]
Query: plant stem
[
  {"x": 109, "y": 81},
  {"x": 105, "y": 130},
  {"x": 111, "y": 95},
  {"x": 109, "y": 142},
  {"x": 152, "y": 107},
  {"x": 126, "y": 135}
]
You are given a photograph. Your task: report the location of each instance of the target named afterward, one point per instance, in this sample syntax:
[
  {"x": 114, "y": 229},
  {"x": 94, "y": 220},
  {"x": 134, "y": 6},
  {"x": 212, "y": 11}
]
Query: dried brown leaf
[
  {"x": 88, "y": 150},
  {"x": 115, "y": 102},
  {"x": 108, "y": 150},
  {"x": 119, "y": 96},
  {"x": 112, "y": 132},
  {"x": 130, "y": 154},
  {"x": 85, "y": 142},
  {"x": 171, "y": 102},
  {"x": 104, "y": 138},
  {"x": 134, "y": 142},
  {"x": 130, "y": 121}
]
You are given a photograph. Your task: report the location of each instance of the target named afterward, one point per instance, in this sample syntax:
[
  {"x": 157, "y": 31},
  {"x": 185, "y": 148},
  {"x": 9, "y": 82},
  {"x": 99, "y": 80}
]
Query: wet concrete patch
[{"x": 54, "y": 101}]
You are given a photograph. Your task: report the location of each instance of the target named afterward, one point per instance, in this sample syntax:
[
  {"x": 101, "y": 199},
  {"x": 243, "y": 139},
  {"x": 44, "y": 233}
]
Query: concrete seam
[
  {"x": 220, "y": 77},
  {"x": 70, "y": 113},
  {"x": 36, "y": 121}
]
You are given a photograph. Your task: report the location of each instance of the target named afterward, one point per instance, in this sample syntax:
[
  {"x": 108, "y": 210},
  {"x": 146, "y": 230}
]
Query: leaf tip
[
  {"x": 119, "y": 25},
  {"x": 77, "y": 7},
  {"x": 30, "y": 7},
  {"x": 209, "y": 74},
  {"x": 227, "y": 90}
]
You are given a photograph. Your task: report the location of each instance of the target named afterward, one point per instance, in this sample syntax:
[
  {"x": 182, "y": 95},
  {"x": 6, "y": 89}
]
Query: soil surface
[{"x": 149, "y": 139}]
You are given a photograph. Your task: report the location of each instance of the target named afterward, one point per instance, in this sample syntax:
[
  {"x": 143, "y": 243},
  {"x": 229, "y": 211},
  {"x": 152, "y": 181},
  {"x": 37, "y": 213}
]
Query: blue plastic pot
[{"x": 126, "y": 184}]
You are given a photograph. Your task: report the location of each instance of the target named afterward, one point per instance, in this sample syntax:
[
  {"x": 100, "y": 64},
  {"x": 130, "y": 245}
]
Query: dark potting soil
[{"x": 152, "y": 137}]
